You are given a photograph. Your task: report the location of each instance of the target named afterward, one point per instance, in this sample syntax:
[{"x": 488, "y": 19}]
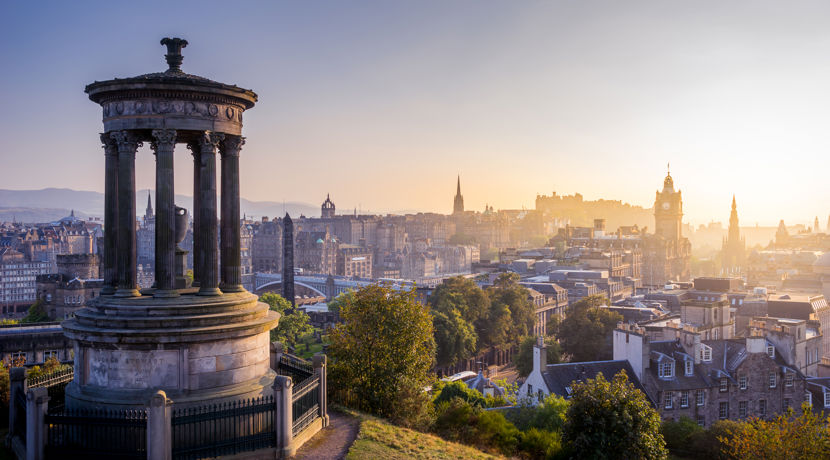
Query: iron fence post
[
  {"x": 37, "y": 403},
  {"x": 283, "y": 420},
  {"x": 320, "y": 369},
  {"x": 276, "y": 353},
  {"x": 17, "y": 389},
  {"x": 159, "y": 428}
]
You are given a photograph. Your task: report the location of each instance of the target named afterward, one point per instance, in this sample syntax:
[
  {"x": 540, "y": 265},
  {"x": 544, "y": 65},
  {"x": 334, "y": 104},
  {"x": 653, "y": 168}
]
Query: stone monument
[{"x": 209, "y": 342}]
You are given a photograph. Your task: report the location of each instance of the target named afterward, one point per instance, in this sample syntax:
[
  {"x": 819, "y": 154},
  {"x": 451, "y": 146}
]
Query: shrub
[
  {"x": 678, "y": 435},
  {"x": 540, "y": 444},
  {"x": 460, "y": 390}
]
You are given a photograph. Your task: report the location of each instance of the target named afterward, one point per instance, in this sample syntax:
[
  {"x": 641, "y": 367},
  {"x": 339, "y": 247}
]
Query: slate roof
[{"x": 560, "y": 377}]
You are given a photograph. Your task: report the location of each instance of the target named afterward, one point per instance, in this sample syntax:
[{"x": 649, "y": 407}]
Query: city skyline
[{"x": 519, "y": 99}]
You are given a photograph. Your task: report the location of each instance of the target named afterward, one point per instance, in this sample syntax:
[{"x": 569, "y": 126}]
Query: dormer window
[
  {"x": 689, "y": 367},
  {"x": 771, "y": 351},
  {"x": 724, "y": 385},
  {"x": 665, "y": 369},
  {"x": 826, "y": 397},
  {"x": 705, "y": 353},
  {"x": 788, "y": 379}
]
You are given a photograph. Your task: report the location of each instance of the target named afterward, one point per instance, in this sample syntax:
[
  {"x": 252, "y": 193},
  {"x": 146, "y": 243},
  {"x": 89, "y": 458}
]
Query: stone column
[
  {"x": 159, "y": 428},
  {"x": 231, "y": 259},
  {"x": 37, "y": 403},
  {"x": 110, "y": 215},
  {"x": 17, "y": 389},
  {"x": 128, "y": 144},
  {"x": 208, "y": 233},
  {"x": 197, "y": 190},
  {"x": 283, "y": 423},
  {"x": 164, "y": 142},
  {"x": 320, "y": 369}
]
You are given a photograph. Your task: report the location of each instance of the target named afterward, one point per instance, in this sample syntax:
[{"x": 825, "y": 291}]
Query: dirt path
[{"x": 333, "y": 442}]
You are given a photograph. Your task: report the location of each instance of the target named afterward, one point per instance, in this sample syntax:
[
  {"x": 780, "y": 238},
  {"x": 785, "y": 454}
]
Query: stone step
[
  {"x": 90, "y": 317},
  {"x": 183, "y": 305},
  {"x": 152, "y": 338}
]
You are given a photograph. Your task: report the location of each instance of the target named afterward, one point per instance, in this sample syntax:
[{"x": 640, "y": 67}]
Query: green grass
[
  {"x": 380, "y": 439},
  {"x": 313, "y": 346}
]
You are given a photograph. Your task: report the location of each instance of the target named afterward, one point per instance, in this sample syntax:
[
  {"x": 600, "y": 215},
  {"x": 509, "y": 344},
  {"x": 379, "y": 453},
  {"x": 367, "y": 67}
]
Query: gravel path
[{"x": 332, "y": 442}]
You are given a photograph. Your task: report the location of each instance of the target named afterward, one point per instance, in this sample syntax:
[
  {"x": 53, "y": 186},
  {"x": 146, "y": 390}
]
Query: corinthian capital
[
  {"x": 209, "y": 141},
  {"x": 232, "y": 145},
  {"x": 110, "y": 147},
  {"x": 166, "y": 137},
  {"x": 127, "y": 141}
]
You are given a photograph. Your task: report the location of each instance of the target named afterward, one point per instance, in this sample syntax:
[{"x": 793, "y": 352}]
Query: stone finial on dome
[{"x": 174, "y": 53}]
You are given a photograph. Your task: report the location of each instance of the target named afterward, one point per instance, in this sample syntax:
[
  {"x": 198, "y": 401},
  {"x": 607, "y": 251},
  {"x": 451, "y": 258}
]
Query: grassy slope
[{"x": 379, "y": 439}]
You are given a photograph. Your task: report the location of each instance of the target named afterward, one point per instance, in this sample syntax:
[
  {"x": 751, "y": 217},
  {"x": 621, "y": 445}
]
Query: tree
[
  {"x": 612, "y": 419},
  {"x": 37, "y": 313},
  {"x": 784, "y": 437},
  {"x": 455, "y": 338},
  {"x": 524, "y": 358},
  {"x": 463, "y": 295},
  {"x": 336, "y": 303},
  {"x": 382, "y": 353},
  {"x": 586, "y": 334},
  {"x": 275, "y": 301},
  {"x": 293, "y": 322},
  {"x": 507, "y": 291}
]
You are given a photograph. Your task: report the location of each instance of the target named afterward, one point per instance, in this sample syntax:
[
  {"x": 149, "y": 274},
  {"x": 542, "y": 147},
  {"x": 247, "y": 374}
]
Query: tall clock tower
[{"x": 668, "y": 211}]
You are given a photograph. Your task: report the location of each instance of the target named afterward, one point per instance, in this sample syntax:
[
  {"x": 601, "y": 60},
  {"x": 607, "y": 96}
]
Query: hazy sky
[{"x": 383, "y": 103}]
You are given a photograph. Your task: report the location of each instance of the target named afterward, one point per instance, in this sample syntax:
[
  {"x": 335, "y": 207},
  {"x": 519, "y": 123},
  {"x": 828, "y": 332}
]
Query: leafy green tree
[
  {"x": 293, "y": 324},
  {"x": 455, "y": 338},
  {"x": 612, "y": 419},
  {"x": 275, "y": 301},
  {"x": 507, "y": 292},
  {"x": 465, "y": 296},
  {"x": 524, "y": 358},
  {"x": 784, "y": 437},
  {"x": 382, "y": 353},
  {"x": 679, "y": 435},
  {"x": 336, "y": 303},
  {"x": 459, "y": 389},
  {"x": 586, "y": 334},
  {"x": 37, "y": 313}
]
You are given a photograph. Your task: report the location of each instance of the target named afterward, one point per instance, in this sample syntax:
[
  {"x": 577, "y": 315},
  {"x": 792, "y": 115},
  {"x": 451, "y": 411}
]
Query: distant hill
[{"x": 50, "y": 204}]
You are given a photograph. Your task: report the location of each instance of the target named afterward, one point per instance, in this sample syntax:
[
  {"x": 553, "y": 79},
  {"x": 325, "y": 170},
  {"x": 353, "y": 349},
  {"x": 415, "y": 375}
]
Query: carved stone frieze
[{"x": 196, "y": 109}]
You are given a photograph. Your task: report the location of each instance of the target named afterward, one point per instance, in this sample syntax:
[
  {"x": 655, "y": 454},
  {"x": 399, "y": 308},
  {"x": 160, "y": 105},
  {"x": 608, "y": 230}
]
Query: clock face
[{"x": 666, "y": 205}]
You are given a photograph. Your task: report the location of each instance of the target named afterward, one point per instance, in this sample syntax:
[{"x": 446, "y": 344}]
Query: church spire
[
  {"x": 149, "y": 212},
  {"x": 458, "y": 203}
]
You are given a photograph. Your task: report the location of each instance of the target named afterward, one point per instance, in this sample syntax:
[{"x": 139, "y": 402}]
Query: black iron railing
[
  {"x": 223, "y": 429},
  {"x": 96, "y": 434},
  {"x": 55, "y": 383},
  {"x": 295, "y": 367},
  {"x": 305, "y": 403}
]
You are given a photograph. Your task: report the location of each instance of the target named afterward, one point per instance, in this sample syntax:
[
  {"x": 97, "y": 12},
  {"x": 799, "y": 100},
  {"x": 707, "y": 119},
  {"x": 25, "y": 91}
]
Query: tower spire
[
  {"x": 458, "y": 203},
  {"x": 458, "y": 189}
]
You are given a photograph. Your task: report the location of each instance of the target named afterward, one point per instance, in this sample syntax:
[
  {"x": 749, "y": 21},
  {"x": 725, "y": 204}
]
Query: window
[
  {"x": 705, "y": 353},
  {"x": 787, "y": 403},
  {"x": 715, "y": 334},
  {"x": 666, "y": 369},
  {"x": 50, "y": 354},
  {"x": 690, "y": 366},
  {"x": 772, "y": 380},
  {"x": 808, "y": 398},
  {"x": 723, "y": 410},
  {"x": 742, "y": 409},
  {"x": 826, "y": 397},
  {"x": 529, "y": 389},
  {"x": 700, "y": 397},
  {"x": 762, "y": 407},
  {"x": 684, "y": 398},
  {"x": 771, "y": 351},
  {"x": 788, "y": 379},
  {"x": 19, "y": 356},
  {"x": 724, "y": 385},
  {"x": 667, "y": 400},
  {"x": 742, "y": 382},
  {"x": 701, "y": 420},
  {"x": 540, "y": 395}
]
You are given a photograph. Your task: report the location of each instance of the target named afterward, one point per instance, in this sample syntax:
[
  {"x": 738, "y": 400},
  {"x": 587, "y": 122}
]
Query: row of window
[{"x": 668, "y": 398}]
